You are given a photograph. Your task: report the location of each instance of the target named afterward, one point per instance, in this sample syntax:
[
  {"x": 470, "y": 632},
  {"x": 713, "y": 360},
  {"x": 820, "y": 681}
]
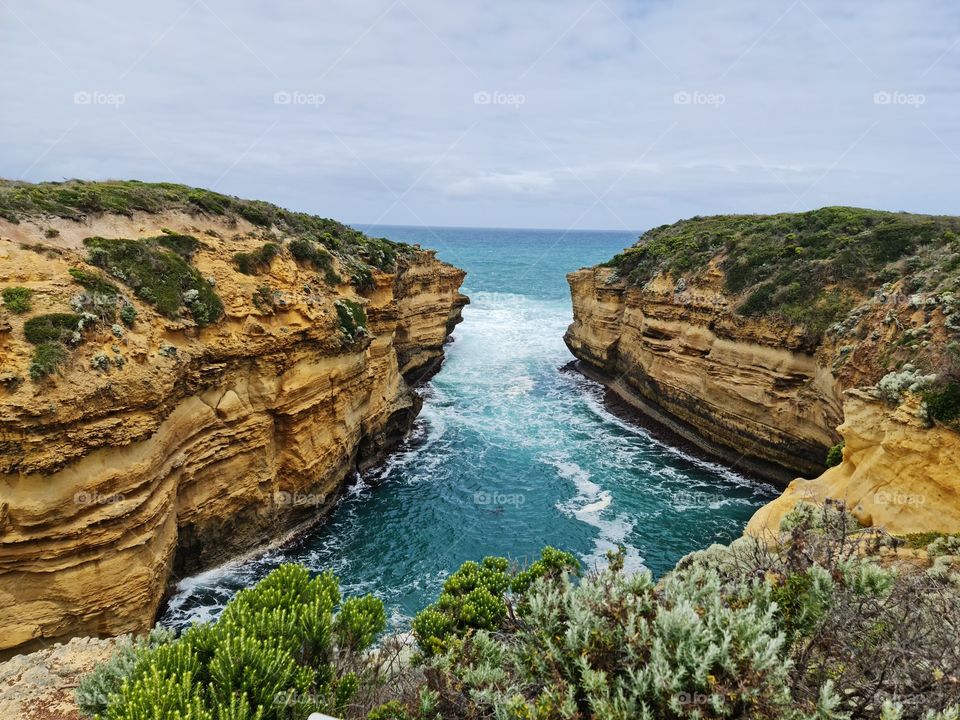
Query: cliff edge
[
  {"x": 186, "y": 376},
  {"x": 748, "y": 334}
]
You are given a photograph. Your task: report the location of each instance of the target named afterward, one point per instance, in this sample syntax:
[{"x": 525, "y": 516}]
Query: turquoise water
[{"x": 510, "y": 453}]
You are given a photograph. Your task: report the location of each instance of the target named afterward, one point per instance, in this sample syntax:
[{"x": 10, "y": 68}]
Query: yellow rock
[
  {"x": 749, "y": 390},
  {"x": 206, "y": 442},
  {"x": 897, "y": 473}
]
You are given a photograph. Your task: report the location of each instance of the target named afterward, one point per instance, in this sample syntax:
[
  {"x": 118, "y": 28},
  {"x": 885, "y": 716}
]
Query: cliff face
[
  {"x": 749, "y": 390},
  {"x": 188, "y": 444},
  {"x": 749, "y": 336},
  {"x": 897, "y": 473}
]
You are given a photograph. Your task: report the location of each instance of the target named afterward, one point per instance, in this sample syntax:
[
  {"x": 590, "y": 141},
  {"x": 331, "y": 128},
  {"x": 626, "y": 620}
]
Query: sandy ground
[{"x": 40, "y": 685}]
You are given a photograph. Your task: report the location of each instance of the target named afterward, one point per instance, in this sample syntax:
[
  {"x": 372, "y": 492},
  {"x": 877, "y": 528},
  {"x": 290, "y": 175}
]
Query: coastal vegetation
[
  {"x": 809, "y": 268},
  {"x": 159, "y": 273},
  {"x": 16, "y": 299},
  {"x": 816, "y": 626},
  {"x": 312, "y": 238}
]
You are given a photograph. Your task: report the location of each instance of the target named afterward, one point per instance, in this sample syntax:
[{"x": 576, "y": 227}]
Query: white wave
[{"x": 587, "y": 507}]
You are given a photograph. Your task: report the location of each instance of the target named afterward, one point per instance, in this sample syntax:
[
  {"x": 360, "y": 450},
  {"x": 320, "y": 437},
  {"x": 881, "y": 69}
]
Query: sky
[{"x": 603, "y": 114}]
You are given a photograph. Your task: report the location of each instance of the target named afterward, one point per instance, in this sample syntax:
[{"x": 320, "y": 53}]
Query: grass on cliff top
[
  {"x": 77, "y": 199},
  {"x": 807, "y": 267}
]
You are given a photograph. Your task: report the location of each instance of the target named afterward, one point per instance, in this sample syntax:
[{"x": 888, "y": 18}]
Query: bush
[
  {"x": 475, "y": 597},
  {"x": 943, "y": 402},
  {"x": 811, "y": 627},
  {"x": 51, "y": 327},
  {"x": 157, "y": 275},
  {"x": 128, "y": 313},
  {"x": 47, "y": 357},
  {"x": 279, "y": 650},
  {"x": 835, "y": 454},
  {"x": 352, "y": 318},
  {"x": 183, "y": 245},
  {"x": 94, "y": 282},
  {"x": 17, "y": 299},
  {"x": 256, "y": 262}
]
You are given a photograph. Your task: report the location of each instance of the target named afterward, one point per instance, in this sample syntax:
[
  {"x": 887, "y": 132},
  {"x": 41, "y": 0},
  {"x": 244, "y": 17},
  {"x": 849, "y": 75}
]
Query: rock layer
[
  {"x": 897, "y": 473},
  {"x": 203, "y": 443},
  {"x": 750, "y": 390}
]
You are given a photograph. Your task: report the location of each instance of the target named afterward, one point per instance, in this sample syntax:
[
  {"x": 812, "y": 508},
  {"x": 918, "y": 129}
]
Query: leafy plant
[
  {"x": 835, "y": 454},
  {"x": 51, "y": 328},
  {"x": 352, "y": 318},
  {"x": 47, "y": 357},
  {"x": 17, "y": 299},
  {"x": 280, "y": 650},
  {"x": 254, "y": 263},
  {"x": 943, "y": 402},
  {"x": 157, "y": 275}
]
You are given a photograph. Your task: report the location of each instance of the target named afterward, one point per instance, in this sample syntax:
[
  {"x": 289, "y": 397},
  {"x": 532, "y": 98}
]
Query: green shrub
[
  {"x": 128, "y": 313},
  {"x": 94, "y": 690},
  {"x": 47, "y": 357},
  {"x": 279, "y": 650},
  {"x": 183, "y": 245},
  {"x": 256, "y": 262},
  {"x": 157, "y": 275},
  {"x": 835, "y": 454},
  {"x": 17, "y": 299},
  {"x": 51, "y": 328},
  {"x": 943, "y": 402},
  {"x": 94, "y": 282},
  {"x": 809, "y": 628},
  {"x": 475, "y": 597},
  {"x": 352, "y": 318}
]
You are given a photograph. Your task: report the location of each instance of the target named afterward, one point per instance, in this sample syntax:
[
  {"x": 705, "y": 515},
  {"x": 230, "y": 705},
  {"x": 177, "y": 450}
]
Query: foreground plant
[
  {"x": 811, "y": 627},
  {"x": 278, "y": 651}
]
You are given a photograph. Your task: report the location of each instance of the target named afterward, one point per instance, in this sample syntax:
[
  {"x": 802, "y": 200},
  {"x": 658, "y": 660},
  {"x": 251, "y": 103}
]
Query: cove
[{"x": 511, "y": 452}]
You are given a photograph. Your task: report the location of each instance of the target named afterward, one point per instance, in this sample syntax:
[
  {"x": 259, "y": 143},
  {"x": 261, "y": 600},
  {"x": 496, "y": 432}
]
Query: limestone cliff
[
  {"x": 166, "y": 446},
  {"x": 897, "y": 473},
  {"x": 747, "y": 390},
  {"x": 744, "y": 333}
]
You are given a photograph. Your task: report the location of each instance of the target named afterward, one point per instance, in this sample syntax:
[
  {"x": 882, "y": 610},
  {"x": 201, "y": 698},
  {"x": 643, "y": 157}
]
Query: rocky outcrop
[
  {"x": 191, "y": 444},
  {"x": 750, "y": 390},
  {"x": 750, "y": 335},
  {"x": 897, "y": 473},
  {"x": 42, "y": 685}
]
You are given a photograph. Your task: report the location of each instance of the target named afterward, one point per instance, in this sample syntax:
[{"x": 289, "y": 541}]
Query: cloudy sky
[{"x": 619, "y": 114}]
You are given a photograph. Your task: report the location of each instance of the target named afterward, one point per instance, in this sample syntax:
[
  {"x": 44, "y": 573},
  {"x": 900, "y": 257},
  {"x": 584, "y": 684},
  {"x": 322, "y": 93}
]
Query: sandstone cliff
[
  {"x": 897, "y": 473},
  {"x": 744, "y": 333},
  {"x": 744, "y": 389},
  {"x": 158, "y": 449}
]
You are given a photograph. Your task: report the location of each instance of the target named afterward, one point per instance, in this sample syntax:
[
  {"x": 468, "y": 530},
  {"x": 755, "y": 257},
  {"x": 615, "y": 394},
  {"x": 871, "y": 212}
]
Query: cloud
[{"x": 610, "y": 113}]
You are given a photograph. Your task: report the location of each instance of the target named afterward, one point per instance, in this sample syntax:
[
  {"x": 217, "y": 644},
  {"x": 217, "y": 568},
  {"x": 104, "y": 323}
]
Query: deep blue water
[{"x": 510, "y": 453}]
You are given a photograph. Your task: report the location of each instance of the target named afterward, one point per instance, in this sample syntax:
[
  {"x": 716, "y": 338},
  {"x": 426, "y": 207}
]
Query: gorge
[{"x": 198, "y": 458}]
